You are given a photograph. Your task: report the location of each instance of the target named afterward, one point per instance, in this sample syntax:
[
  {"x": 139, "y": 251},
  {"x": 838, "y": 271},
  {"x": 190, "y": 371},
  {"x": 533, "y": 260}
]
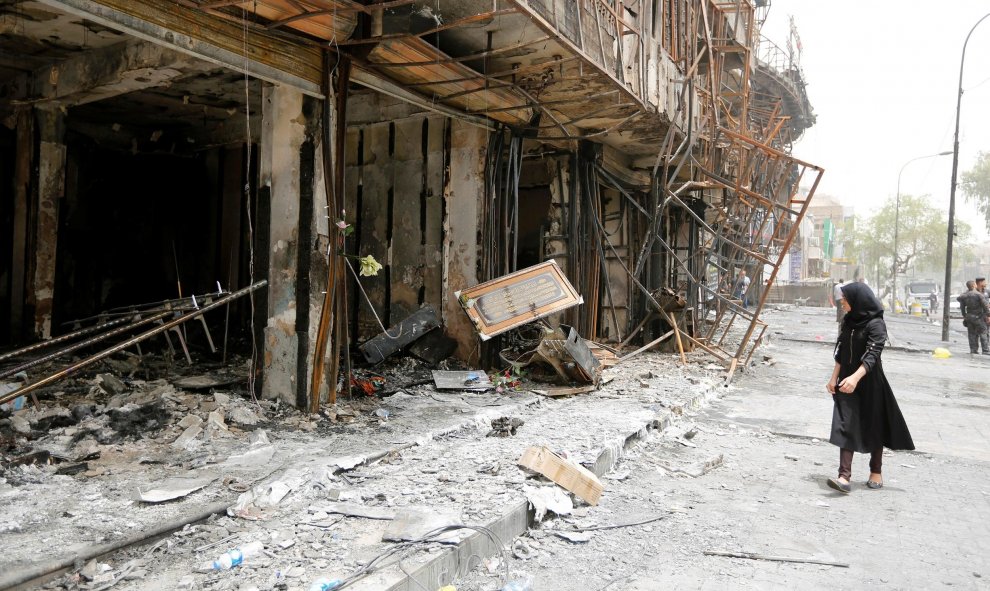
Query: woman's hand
[
  {"x": 848, "y": 384},
  {"x": 830, "y": 386}
]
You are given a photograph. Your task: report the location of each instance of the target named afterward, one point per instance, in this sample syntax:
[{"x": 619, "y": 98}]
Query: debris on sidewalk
[
  {"x": 568, "y": 474},
  {"x": 505, "y": 426},
  {"x": 561, "y": 392},
  {"x": 475, "y": 380},
  {"x": 174, "y": 488},
  {"x": 567, "y": 353},
  {"x": 547, "y": 498},
  {"x": 412, "y": 524},
  {"x": 754, "y": 556}
]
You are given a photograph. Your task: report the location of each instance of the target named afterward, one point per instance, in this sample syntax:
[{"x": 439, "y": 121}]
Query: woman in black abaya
[{"x": 865, "y": 417}]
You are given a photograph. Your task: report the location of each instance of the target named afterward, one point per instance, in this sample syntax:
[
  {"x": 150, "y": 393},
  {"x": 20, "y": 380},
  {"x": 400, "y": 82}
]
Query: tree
[
  {"x": 921, "y": 238},
  {"x": 976, "y": 186}
]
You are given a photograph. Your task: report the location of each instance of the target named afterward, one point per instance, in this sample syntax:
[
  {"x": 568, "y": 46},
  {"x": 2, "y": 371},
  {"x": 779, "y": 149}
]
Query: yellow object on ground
[
  {"x": 941, "y": 353},
  {"x": 916, "y": 309}
]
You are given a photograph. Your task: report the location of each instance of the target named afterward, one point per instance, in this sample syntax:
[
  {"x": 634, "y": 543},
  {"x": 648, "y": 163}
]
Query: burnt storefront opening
[{"x": 133, "y": 229}]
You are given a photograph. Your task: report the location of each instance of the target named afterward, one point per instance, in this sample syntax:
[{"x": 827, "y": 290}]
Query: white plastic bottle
[
  {"x": 236, "y": 556},
  {"x": 522, "y": 584}
]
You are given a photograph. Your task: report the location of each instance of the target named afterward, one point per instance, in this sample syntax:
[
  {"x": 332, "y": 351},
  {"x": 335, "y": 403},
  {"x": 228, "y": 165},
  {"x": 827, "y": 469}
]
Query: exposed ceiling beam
[
  {"x": 207, "y": 37},
  {"x": 103, "y": 73}
]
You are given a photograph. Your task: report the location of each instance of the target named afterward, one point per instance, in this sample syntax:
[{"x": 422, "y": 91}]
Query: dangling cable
[{"x": 252, "y": 373}]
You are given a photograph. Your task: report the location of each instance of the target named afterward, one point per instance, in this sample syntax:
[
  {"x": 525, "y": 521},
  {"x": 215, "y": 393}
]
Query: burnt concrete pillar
[
  {"x": 44, "y": 223},
  {"x": 462, "y": 193},
  {"x": 283, "y": 135}
]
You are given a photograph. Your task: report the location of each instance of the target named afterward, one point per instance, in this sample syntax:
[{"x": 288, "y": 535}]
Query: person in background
[
  {"x": 975, "y": 314},
  {"x": 932, "y": 304},
  {"x": 741, "y": 287},
  {"x": 981, "y": 288},
  {"x": 837, "y": 299},
  {"x": 865, "y": 415}
]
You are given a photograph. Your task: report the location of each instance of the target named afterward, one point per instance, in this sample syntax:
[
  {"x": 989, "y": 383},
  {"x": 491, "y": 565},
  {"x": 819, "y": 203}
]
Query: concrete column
[
  {"x": 51, "y": 189},
  {"x": 282, "y": 137},
  {"x": 23, "y": 164},
  {"x": 465, "y": 186}
]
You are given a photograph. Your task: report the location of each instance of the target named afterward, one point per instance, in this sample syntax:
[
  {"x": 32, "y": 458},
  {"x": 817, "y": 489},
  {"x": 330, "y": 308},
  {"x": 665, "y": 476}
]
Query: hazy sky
[{"x": 882, "y": 78}]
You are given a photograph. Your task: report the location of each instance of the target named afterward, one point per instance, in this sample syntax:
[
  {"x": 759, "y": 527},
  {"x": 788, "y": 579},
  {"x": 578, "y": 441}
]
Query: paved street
[{"x": 928, "y": 528}]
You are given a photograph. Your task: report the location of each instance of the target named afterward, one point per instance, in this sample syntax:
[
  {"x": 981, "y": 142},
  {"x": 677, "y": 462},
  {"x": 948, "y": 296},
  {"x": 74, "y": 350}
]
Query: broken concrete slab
[
  {"x": 242, "y": 416},
  {"x": 174, "y": 488},
  {"x": 190, "y": 420},
  {"x": 187, "y": 440},
  {"x": 253, "y": 458}
]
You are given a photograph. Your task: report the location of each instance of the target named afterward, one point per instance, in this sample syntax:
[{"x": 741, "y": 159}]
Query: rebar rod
[
  {"x": 131, "y": 341},
  {"x": 82, "y": 344},
  {"x": 61, "y": 339}
]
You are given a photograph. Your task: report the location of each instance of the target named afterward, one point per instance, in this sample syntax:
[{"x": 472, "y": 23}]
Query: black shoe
[
  {"x": 986, "y": 352},
  {"x": 842, "y": 488}
]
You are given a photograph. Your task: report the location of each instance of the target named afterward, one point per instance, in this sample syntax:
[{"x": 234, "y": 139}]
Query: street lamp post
[
  {"x": 897, "y": 215},
  {"x": 952, "y": 188}
]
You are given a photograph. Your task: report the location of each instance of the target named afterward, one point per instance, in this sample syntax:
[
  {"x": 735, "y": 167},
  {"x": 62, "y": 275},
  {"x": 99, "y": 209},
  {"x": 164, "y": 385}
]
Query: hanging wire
[
  {"x": 370, "y": 305},
  {"x": 252, "y": 372}
]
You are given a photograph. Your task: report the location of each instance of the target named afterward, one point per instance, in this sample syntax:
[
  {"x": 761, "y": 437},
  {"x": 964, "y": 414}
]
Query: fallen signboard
[{"x": 518, "y": 298}]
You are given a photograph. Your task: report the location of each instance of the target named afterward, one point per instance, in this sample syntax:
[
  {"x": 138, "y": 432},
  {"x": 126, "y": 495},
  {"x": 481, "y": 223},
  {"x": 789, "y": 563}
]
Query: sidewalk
[{"x": 430, "y": 454}]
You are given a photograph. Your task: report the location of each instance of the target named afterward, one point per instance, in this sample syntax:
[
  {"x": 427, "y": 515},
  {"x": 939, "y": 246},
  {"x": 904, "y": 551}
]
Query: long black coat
[{"x": 869, "y": 418}]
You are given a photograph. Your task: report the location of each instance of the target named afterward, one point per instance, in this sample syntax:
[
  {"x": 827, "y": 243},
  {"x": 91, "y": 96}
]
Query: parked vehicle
[
  {"x": 954, "y": 311},
  {"x": 920, "y": 292}
]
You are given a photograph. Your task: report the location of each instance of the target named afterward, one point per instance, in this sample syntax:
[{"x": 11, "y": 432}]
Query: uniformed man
[
  {"x": 975, "y": 314},
  {"x": 981, "y": 287}
]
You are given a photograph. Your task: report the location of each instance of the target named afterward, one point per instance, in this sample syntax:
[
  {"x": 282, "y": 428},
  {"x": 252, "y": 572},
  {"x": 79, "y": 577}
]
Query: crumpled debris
[
  {"x": 253, "y": 504},
  {"x": 548, "y": 498},
  {"x": 505, "y": 426}
]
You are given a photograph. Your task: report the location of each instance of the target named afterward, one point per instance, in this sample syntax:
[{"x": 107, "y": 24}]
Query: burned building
[{"x": 157, "y": 150}]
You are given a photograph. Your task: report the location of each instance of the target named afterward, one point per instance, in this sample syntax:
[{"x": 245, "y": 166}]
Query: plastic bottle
[
  {"x": 235, "y": 557},
  {"x": 325, "y": 584},
  {"x": 522, "y": 584}
]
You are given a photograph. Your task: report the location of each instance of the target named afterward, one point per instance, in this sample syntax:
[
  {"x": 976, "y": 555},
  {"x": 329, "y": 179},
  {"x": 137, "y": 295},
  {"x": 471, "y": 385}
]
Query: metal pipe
[
  {"x": 131, "y": 341},
  {"x": 63, "y": 338},
  {"x": 86, "y": 343},
  {"x": 146, "y": 307}
]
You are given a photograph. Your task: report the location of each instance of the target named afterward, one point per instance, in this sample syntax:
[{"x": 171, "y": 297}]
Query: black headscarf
[{"x": 863, "y": 303}]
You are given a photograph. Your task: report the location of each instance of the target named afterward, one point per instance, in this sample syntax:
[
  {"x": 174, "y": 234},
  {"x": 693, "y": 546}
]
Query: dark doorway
[{"x": 133, "y": 229}]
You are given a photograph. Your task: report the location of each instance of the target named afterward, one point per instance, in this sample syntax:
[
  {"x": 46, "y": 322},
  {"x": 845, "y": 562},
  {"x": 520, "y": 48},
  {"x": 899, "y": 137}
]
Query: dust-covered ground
[
  {"x": 929, "y": 527},
  {"x": 327, "y": 495}
]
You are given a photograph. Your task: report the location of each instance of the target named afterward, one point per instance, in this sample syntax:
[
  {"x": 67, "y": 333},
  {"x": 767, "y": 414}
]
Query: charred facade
[{"x": 159, "y": 149}]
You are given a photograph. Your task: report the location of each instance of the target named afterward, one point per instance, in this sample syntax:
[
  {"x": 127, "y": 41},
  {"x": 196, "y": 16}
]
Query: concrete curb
[{"x": 457, "y": 561}]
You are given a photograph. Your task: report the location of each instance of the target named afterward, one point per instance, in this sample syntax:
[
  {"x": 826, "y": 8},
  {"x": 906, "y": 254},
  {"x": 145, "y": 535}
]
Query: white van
[{"x": 921, "y": 291}]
